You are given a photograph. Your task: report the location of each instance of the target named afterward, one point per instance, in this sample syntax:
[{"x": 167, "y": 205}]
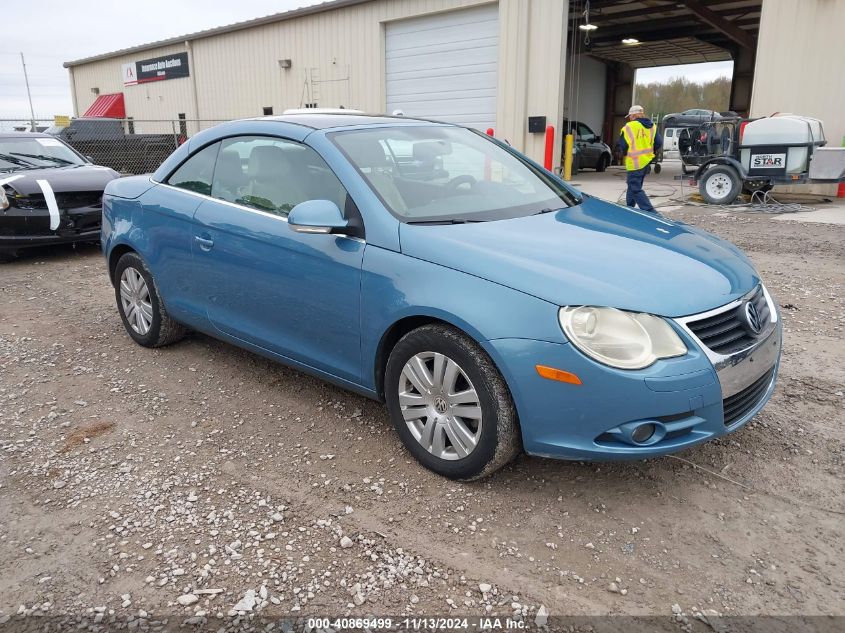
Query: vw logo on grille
[{"x": 752, "y": 318}]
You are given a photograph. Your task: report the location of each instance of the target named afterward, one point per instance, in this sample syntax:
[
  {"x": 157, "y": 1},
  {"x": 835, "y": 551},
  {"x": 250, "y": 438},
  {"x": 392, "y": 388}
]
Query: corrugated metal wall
[
  {"x": 337, "y": 58},
  {"x": 799, "y": 62},
  {"x": 153, "y": 100},
  {"x": 799, "y": 65}
]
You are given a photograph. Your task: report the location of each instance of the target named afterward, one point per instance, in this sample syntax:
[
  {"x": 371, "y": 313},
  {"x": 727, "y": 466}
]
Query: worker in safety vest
[{"x": 638, "y": 142}]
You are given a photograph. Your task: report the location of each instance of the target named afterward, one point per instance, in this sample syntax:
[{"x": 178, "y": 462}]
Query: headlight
[{"x": 627, "y": 340}]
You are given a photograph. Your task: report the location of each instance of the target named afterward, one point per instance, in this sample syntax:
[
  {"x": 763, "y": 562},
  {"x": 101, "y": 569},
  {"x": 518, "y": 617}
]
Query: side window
[
  {"x": 585, "y": 133},
  {"x": 670, "y": 132},
  {"x": 273, "y": 175},
  {"x": 196, "y": 172}
]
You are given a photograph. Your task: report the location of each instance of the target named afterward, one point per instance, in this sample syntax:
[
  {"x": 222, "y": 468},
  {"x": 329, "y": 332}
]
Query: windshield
[
  {"x": 35, "y": 152},
  {"x": 445, "y": 174}
]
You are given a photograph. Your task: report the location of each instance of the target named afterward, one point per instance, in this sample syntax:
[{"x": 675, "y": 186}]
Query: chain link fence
[{"x": 129, "y": 146}]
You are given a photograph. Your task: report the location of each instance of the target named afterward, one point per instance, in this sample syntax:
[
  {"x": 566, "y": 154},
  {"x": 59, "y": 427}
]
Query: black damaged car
[{"x": 49, "y": 193}]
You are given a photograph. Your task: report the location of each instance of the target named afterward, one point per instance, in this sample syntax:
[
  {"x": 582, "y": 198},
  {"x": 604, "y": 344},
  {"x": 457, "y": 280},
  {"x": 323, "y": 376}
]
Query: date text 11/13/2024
[{"x": 416, "y": 624}]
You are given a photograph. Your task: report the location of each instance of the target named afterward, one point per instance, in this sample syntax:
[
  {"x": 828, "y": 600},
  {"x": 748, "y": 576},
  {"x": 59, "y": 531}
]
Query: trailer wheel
[{"x": 720, "y": 185}]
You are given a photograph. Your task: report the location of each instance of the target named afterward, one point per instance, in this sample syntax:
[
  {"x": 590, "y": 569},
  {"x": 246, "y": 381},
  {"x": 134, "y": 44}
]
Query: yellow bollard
[{"x": 567, "y": 158}]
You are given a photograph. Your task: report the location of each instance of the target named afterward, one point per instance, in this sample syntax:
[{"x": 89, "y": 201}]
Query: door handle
[{"x": 204, "y": 242}]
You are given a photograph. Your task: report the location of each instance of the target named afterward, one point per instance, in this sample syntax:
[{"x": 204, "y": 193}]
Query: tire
[
  {"x": 720, "y": 185},
  {"x": 604, "y": 161},
  {"x": 488, "y": 437},
  {"x": 148, "y": 323},
  {"x": 8, "y": 256}
]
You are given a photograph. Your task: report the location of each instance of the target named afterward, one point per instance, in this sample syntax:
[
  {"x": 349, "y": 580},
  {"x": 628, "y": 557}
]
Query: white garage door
[{"x": 445, "y": 66}]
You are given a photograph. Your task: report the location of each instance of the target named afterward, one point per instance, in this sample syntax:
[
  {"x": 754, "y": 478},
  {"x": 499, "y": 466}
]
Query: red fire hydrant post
[
  {"x": 841, "y": 191},
  {"x": 550, "y": 146}
]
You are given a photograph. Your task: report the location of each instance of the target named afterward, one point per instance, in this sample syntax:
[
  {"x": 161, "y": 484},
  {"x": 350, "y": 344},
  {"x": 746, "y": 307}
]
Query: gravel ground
[{"x": 200, "y": 481}]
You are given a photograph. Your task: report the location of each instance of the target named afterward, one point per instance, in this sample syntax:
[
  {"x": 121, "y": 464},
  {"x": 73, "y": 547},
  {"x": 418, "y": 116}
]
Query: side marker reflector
[{"x": 551, "y": 373}]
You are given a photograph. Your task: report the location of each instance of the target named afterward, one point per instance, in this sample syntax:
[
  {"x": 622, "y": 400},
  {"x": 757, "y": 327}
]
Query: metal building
[{"x": 487, "y": 64}]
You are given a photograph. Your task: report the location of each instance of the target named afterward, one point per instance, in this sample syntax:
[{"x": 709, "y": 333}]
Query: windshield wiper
[
  {"x": 449, "y": 221},
  {"x": 54, "y": 159},
  {"x": 16, "y": 161}
]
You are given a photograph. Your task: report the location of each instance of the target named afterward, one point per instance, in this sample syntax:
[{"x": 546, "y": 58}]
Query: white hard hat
[{"x": 635, "y": 109}]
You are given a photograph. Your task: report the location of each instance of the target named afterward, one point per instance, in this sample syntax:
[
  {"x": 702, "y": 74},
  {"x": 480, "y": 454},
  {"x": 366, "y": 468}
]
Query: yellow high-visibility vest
[{"x": 640, "y": 141}]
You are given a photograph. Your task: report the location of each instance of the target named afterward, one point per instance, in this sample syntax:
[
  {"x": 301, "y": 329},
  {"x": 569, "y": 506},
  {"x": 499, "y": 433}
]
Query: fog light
[{"x": 642, "y": 433}]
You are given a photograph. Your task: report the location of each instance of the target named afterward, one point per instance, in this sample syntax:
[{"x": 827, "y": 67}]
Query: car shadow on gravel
[{"x": 55, "y": 252}]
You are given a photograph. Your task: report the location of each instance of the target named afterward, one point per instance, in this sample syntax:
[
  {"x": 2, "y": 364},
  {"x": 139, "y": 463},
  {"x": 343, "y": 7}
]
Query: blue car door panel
[{"x": 294, "y": 294}]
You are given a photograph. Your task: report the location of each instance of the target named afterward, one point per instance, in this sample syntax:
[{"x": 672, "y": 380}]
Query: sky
[
  {"x": 697, "y": 73},
  {"x": 49, "y": 32}
]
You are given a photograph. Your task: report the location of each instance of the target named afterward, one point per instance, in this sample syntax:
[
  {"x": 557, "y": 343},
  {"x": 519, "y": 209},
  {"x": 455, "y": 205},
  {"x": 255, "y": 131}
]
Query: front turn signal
[{"x": 550, "y": 373}]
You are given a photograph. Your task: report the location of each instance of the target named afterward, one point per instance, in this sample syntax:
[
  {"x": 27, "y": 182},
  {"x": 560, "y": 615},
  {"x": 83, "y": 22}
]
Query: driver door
[{"x": 294, "y": 294}]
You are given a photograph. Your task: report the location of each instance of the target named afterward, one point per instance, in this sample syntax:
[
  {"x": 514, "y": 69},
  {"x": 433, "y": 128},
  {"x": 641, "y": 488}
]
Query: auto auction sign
[{"x": 156, "y": 69}]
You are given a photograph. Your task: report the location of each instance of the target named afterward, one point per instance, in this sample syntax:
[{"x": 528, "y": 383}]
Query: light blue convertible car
[{"x": 491, "y": 306}]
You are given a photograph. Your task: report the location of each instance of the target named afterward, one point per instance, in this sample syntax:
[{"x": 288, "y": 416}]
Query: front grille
[
  {"x": 77, "y": 199},
  {"x": 742, "y": 402},
  {"x": 66, "y": 200},
  {"x": 726, "y": 332}
]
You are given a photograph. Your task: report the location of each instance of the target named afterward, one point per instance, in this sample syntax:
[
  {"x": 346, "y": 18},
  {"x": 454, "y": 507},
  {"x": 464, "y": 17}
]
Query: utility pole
[{"x": 29, "y": 95}]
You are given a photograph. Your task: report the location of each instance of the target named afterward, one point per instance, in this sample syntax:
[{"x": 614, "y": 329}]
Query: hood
[
  {"x": 646, "y": 122},
  {"x": 595, "y": 253},
  {"x": 61, "y": 179}
]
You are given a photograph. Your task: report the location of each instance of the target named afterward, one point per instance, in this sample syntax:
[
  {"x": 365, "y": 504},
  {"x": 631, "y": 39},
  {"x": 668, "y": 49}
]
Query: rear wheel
[
  {"x": 604, "y": 161},
  {"x": 720, "y": 185},
  {"x": 141, "y": 309},
  {"x": 449, "y": 404}
]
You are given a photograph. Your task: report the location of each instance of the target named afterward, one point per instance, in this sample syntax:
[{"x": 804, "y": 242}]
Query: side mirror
[{"x": 317, "y": 216}]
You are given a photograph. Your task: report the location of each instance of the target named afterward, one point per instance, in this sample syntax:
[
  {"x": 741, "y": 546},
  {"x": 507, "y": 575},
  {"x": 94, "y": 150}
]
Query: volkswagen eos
[{"x": 492, "y": 307}]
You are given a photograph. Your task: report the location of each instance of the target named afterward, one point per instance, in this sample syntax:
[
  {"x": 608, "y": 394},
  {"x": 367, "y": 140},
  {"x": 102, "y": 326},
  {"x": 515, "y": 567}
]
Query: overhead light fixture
[
  {"x": 587, "y": 27},
  {"x": 630, "y": 41}
]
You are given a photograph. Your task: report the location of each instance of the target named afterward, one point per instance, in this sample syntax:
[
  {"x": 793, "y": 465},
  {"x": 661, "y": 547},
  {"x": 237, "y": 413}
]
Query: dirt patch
[
  {"x": 235, "y": 481},
  {"x": 89, "y": 432}
]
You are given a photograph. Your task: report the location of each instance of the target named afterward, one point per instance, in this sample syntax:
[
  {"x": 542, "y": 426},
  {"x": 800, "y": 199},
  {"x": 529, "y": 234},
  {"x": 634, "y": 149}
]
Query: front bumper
[
  {"x": 684, "y": 398},
  {"x": 25, "y": 228}
]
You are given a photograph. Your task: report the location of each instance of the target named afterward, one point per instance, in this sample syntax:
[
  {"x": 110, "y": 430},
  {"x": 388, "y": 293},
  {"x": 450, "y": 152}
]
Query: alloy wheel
[
  {"x": 440, "y": 405},
  {"x": 135, "y": 300}
]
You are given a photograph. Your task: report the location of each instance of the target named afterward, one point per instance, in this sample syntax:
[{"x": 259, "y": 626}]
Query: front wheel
[
  {"x": 720, "y": 185},
  {"x": 141, "y": 309},
  {"x": 450, "y": 405}
]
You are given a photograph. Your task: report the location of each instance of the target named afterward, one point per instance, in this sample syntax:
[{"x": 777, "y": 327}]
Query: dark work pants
[{"x": 635, "y": 195}]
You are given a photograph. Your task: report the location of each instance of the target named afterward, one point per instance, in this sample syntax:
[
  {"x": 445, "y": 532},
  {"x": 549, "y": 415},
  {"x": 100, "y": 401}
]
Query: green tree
[{"x": 679, "y": 93}]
